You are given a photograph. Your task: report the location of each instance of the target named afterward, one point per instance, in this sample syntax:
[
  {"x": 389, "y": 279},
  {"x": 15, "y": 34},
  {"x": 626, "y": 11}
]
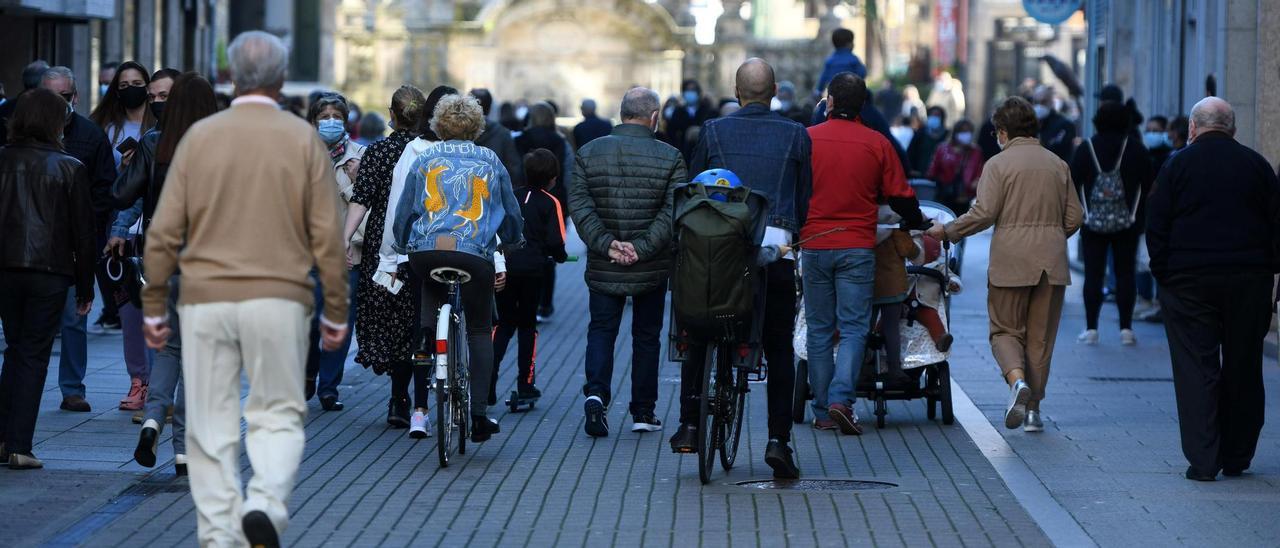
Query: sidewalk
[
  {"x": 1110, "y": 453},
  {"x": 540, "y": 482}
]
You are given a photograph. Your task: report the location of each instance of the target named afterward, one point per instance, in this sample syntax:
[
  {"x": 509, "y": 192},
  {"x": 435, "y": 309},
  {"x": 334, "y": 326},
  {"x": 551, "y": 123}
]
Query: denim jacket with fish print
[{"x": 457, "y": 190}]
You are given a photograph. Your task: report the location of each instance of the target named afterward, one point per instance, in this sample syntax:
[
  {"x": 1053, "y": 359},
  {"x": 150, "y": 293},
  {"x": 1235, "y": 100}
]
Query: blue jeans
[
  {"x": 838, "y": 286},
  {"x": 166, "y": 389},
  {"x": 326, "y": 367},
  {"x": 73, "y": 356},
  {"x": 602, "y": 334}
]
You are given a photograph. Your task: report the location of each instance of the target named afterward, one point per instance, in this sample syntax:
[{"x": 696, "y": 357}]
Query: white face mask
[
  {"x": 1042, "y": 111},
  {"x": 964, "y": 137},
  {"x": 521, "y": 112}
]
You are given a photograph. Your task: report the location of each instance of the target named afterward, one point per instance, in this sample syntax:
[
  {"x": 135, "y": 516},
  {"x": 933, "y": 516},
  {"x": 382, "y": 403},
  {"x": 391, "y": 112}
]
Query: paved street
[{"x": 1108, "y": 464}]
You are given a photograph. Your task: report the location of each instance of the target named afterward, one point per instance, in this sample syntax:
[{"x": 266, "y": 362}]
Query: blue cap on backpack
[{"x": 717, "y": 178}]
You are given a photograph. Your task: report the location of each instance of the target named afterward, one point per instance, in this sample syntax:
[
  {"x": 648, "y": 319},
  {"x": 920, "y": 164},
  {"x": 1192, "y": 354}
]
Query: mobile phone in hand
[{"x": 128, "y": 144}]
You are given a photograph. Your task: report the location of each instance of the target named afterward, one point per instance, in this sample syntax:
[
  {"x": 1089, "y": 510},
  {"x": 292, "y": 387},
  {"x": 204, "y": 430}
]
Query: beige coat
[
  {"x": 250, "y": 204},
  {"x": 1027, "y": 193}
]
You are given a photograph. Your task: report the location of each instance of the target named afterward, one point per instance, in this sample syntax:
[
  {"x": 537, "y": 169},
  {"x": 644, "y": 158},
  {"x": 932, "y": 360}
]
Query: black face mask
[
  {"x": 133, "y": 96},
  {"x": 157, "y": 109}
]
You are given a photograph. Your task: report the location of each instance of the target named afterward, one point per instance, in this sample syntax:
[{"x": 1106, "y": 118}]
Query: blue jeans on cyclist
[
  {"x": 477, "y": 306},
  {"x": 838, "y": 286}
]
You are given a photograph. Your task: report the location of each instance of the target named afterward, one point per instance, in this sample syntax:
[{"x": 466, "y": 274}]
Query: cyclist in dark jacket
[
  {"x": 621, "y": 201},
  {"x": 544, "y": 244}
]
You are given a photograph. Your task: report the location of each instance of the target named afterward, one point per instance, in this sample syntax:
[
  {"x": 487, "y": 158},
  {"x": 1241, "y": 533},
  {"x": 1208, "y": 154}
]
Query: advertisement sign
[
  {"x": 951, "y": 25},
  {"x": 1051, "y": 12}
]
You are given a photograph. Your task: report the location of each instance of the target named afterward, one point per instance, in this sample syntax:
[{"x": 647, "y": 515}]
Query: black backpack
[{"x": 714, "y": 281}]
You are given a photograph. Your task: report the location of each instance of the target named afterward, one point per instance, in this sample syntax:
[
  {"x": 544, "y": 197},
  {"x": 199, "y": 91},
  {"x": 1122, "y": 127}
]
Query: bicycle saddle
[{"x": 449, "y": 274}]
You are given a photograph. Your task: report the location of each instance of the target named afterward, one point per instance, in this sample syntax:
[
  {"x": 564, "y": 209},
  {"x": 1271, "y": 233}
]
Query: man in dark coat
[
  {"x": 1057, "y": 133},
  {"x": 30, "y": 80},
  {"x": 694, "y": 111},
  {"x": 591, "y": 127},
  {"x": 1213, "y": 226},
  {"x": 498, "y": 139},
  {"x": 620, "y": 197}
]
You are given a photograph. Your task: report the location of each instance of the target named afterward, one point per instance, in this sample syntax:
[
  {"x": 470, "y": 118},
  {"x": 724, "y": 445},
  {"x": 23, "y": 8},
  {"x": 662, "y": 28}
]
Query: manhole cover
[{"x": 817, "y": 485}]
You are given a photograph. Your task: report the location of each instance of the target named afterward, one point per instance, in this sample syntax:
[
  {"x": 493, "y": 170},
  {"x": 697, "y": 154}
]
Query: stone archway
[{"x": 567, "y": 50}]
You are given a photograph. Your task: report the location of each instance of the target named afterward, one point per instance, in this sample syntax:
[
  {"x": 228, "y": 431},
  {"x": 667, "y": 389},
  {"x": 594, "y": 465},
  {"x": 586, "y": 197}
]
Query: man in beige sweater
[{"x": 249, "y": 206}]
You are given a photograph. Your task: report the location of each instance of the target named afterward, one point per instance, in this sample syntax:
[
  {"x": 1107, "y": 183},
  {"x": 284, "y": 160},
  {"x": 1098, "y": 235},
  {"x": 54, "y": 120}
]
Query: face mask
[
  {"x": 934, "y": 123},
  {"x": 1042, "y": 111},
  {"x": 521, "y": 112},
  {"x": 1000, "y": 143},
  {"x": 690, "y": 98},
  {"x": 133, "y": 96},
  {"x": 157, "y": 109},
  {"x": 669, "y": 112},
  {"x": 964, "y": 137},
  {"x": 352, "y": 117},
  {"x": 784, "y": 105},
  {"x": 331, "y": 131},
  {"x": 71, "y": 113},
  {"x": 1155, "y": 139},
  {"x": 102, "y": 90}
]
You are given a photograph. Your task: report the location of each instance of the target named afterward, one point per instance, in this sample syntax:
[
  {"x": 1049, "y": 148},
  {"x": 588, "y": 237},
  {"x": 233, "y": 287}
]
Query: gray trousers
[{"x": 166, "y": 379}]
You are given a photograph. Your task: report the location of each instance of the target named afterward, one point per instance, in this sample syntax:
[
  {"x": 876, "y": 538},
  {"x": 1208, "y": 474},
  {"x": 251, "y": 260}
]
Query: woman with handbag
[{"x": 189, "y": 100}]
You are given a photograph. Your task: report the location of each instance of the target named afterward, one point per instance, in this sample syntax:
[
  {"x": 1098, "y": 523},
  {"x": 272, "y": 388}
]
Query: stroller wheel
[
  {"x": 944, "y": 393},
  {"x": 931, "y": 401}
]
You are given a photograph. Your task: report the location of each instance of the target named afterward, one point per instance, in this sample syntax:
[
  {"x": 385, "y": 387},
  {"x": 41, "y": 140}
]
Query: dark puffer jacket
[{"x": 622, "y": 190}]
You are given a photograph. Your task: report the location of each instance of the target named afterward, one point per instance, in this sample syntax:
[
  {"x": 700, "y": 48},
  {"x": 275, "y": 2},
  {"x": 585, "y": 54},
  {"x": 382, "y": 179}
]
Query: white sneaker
[
  {"x": 1033, "y": 422},
  {"x": 418, "y": 425},
  {"x": 1019, "y": 394},
  {"x": 1089, "y": 337},
  {"x": 1128, "y": 337}
]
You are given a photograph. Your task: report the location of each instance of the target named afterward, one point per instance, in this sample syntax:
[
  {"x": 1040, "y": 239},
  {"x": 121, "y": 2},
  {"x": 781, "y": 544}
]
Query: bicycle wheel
[
  {"x": 737, "y": 398},
  {"x": 707, "y": 413},
  {"x": 461, "y": 372},
  {"x": 443, "y": 378}
]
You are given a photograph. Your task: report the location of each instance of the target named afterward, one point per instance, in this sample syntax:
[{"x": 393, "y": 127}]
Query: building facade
[{"x": 1169, "y": 54}]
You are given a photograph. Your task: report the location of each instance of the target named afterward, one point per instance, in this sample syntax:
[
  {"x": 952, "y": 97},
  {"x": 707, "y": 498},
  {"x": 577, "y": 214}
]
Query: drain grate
[
  {"x": 816, "y": 485},
  {"x": 1131, "y": 379}
]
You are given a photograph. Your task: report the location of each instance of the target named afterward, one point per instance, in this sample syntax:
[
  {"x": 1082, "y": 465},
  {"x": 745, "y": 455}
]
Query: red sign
[{"x": 951, "y": 24}]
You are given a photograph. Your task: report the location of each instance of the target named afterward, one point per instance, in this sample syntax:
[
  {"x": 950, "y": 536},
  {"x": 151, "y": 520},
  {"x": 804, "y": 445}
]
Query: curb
[{"x": 1057, "y": 523}]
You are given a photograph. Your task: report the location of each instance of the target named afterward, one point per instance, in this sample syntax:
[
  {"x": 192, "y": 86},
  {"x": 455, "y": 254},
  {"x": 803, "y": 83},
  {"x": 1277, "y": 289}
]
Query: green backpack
[{"x": 714, "y": 280}]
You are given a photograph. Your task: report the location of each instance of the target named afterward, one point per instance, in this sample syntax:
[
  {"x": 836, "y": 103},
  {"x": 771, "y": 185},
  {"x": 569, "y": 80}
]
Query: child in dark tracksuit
[{"x": 544, "y": 243}]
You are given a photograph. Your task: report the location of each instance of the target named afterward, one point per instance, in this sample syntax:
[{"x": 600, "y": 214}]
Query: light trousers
[
  {"x": 1024, "y": 328},
  {"x": 266, "y": 339}
]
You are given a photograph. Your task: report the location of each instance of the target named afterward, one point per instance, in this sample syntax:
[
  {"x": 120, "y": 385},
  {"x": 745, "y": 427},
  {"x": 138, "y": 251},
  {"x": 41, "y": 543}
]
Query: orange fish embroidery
[
  {"x": 434, "y": 203},
  {"x": 475, "y": 210}
]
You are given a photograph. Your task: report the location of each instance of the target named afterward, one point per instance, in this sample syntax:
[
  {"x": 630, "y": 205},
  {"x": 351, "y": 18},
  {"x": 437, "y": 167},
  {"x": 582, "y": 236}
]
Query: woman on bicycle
[{"x": 457, "y": 199}]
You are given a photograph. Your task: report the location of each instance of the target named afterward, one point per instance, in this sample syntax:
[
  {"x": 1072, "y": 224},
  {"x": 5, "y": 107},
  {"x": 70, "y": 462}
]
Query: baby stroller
[{"x": 924, "y": 364}]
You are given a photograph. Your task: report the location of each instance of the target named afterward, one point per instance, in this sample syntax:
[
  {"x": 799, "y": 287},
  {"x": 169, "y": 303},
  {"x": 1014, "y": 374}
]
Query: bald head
[
  {"x": 755, "y": 82},
  {"x": 1212, "y": 114}
]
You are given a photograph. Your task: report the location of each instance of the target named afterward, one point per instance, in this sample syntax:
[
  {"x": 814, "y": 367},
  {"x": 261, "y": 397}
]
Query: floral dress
[{"x": 384, "y": 321}]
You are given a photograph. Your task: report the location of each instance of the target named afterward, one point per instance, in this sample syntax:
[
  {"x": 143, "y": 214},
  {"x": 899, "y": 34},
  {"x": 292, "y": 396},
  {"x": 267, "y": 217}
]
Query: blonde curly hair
[{"x": 458, "y": 117}]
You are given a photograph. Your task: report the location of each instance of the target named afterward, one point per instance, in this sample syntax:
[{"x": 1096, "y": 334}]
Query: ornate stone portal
[{"x": 563, "y": 50}]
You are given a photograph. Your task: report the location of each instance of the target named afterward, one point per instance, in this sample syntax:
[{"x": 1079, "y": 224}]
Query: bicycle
[
  {"x": 451, "y": 380},
  {"x": 722, "y": 405}
]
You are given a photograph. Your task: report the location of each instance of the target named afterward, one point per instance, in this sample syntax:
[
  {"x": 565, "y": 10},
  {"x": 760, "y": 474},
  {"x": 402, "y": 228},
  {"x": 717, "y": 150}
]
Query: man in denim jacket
[{"x": 771, "y": 154}]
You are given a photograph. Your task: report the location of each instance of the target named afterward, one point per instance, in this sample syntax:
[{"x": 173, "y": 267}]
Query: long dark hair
[
  {"x": 110, "y": 111},
  {"x": 434, "y": 97},
  {"x": 190, "y": 100}
]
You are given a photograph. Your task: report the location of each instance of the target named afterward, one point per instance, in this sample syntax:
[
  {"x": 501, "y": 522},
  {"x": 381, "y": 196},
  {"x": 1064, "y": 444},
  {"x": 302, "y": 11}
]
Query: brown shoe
[
  {"x": 845, "y": 418},
  {"x": 76, "y": 404}
]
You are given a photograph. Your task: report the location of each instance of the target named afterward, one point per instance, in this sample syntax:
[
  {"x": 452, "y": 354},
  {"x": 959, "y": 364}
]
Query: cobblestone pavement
[
  {"x": 1110, "y": 452},
  {"x": 541, "y": 482}
]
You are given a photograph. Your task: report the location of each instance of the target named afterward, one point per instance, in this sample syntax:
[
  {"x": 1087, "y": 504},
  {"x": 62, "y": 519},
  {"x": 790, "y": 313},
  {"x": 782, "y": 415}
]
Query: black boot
[
  {"x": 483, "y": 428},
  {"x": 398, "y": 412},
  {"x": 685, "y": 440},
  {"x": 778, "y": 456}
]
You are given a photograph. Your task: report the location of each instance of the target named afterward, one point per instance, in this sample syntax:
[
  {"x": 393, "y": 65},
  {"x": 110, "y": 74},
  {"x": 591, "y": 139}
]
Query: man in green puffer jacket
[{"x": 620, "y": 197}]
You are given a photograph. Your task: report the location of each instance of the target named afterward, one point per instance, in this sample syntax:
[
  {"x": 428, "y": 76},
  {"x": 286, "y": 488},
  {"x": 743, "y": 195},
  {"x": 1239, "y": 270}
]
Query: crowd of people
[{"x": 270, "y": 232}]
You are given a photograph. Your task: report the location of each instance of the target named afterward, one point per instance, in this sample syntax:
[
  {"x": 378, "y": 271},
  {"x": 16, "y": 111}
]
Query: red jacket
[
  {"x": 950, "y": 160},
  {"x": 854, "y": 170}
]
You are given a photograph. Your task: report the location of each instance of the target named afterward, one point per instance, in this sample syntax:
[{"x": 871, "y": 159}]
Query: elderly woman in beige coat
[{"x": 1027, "y": 193}]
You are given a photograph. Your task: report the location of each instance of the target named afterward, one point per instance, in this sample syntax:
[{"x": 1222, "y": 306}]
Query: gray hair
[
  {"x": 1214, "y": 113},
  {"x": 258, "y": 60},
  {"x": 33, "y": 73},
  {"x": 639, "y": 104},
  {"x": 58, "y": 73}
]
